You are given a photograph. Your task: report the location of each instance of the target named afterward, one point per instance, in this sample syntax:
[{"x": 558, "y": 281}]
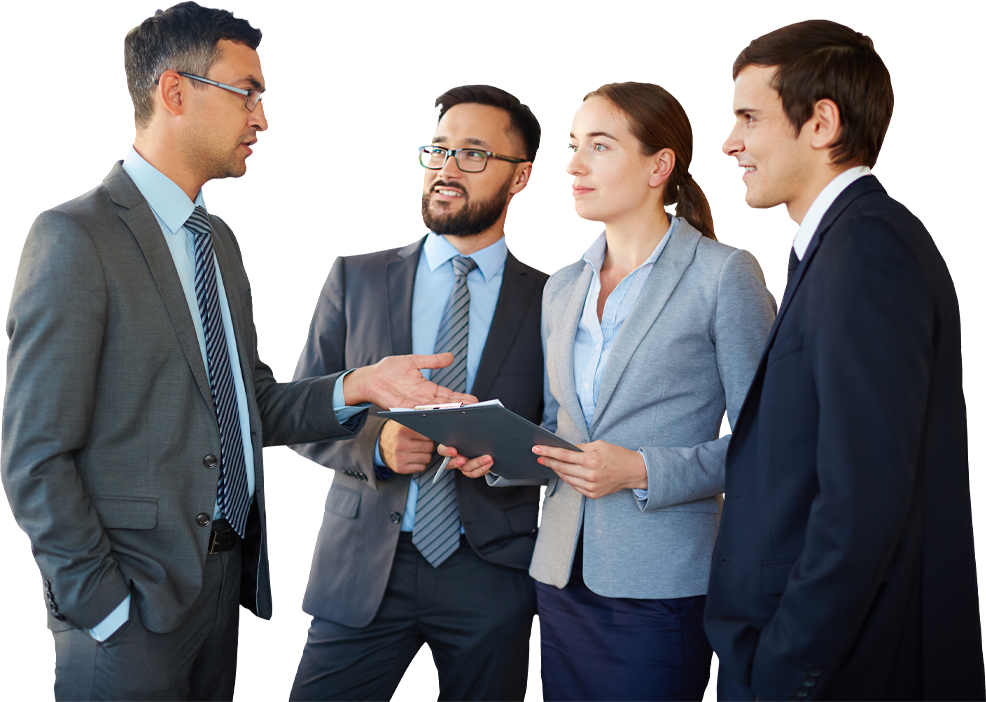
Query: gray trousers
[
  {"x": 196, "y": 661},
  {"x": 474, "y": 615}
]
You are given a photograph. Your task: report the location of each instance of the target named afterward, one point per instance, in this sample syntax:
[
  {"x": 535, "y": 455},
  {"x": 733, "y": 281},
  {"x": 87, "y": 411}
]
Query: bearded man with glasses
[{"x": 402, "y": 560}]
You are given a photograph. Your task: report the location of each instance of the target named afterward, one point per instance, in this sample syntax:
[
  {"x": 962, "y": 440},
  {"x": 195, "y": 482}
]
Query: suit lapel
[
  {"x": 565, "y": 335},
  {"x": 141, "y": 221},
  {"x": 661, "y": 282},
  {"x": 400, "y": 289}
]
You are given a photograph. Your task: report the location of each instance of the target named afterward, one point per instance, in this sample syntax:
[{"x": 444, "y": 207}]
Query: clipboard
[{"x": 486, "y": 429}]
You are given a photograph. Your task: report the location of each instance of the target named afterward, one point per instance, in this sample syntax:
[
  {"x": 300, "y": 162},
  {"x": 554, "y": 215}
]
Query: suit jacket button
[
  {"x": 59, "y": 617},
  {"x": 209, "y": 461},
  {"x": 203, "y": 519},
  {"x": 814, "y": 672},
  {"x": 395, "y": 517},
  {"x": 54, "y": 607}
]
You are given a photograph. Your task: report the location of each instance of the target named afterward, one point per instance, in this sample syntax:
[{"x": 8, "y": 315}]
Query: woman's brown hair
[{"x": 658, "y": 121}]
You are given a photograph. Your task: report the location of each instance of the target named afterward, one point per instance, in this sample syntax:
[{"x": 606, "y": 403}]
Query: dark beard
[{"x": 473, "y": 219}]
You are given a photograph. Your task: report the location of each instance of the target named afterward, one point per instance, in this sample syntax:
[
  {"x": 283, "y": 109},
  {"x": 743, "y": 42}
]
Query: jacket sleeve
[
  {"x": 743, "y": 316},
  {"x": 56, "y": 326},
  {"x": 869, "y": 341}
]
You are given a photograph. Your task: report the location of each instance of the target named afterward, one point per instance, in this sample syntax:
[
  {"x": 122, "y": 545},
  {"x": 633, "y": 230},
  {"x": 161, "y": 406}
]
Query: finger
[
  {"x": 435, "y": 360},
  {"x": 444, "y": 450},
  {"x": 561, "y": 454},
  {"x": 416, "y": 446},
  {"x": 567, "y": 469}
]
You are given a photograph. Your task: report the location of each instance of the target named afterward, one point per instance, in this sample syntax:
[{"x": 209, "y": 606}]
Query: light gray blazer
[{"x": 686, "y": 353}]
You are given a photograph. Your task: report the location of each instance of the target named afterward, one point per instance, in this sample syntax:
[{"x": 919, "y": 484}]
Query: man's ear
[
  {"x": 826, "y": 124},
  {"x": 521, "y": 177},
  {"x": 170, "y": 93}
]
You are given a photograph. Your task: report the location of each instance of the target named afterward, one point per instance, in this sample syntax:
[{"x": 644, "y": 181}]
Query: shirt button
[
  {"x": 210, "y": 461},
  {"x": 395, "y": 517},
  {"x": 203, "y": 519}
]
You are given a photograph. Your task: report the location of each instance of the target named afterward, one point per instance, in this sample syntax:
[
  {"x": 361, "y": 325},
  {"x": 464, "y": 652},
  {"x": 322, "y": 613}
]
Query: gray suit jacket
[
  {"x": 364, "y": 314},
  {"x": 687, "y": 351},
  {"x": 109, "y": 430}
]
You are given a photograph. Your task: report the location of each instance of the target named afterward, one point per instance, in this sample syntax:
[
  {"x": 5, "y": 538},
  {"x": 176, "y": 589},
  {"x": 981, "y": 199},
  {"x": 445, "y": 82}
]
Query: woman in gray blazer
[{"x": 648, "y": 340}]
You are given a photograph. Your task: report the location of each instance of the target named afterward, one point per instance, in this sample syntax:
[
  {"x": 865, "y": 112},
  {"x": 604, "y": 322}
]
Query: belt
[{"x": 222, "y": 538}]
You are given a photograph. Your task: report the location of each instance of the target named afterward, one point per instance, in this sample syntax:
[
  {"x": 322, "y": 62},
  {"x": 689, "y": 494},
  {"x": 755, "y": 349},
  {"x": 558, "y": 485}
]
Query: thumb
[{"x": 438, "y": 360}]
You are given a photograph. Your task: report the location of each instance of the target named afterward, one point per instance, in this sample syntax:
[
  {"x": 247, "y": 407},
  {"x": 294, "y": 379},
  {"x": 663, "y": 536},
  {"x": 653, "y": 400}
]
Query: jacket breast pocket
[
  {"x": 775, "y": 575},
  {"x": 784, "y": 348},
  {"x": 342, "y": 501},
  {"x": 126, "y": 512}
]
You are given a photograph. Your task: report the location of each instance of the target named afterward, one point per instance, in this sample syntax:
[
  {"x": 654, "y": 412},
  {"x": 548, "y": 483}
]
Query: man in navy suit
[{"x": 844, "y": 567}]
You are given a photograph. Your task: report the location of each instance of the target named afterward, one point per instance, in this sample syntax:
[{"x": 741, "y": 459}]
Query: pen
[{"x": 441, "y": 469}]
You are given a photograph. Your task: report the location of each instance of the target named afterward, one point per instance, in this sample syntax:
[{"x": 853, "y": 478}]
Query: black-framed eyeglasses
[
  {"x": 468, "y": 160},
  {"x": 253, "y": 97}
]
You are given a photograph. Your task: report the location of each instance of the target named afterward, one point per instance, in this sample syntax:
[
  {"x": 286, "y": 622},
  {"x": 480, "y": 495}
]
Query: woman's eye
[
  {"x": 573, "y": 147},
  {"x": 599, "y": 147}
]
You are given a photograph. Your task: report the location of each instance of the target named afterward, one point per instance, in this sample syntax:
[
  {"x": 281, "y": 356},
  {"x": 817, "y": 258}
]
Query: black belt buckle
[{"x": 220, "y": 541}]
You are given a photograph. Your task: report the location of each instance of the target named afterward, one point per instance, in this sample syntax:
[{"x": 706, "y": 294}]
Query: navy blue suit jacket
[{"x": 844, "y": 566}]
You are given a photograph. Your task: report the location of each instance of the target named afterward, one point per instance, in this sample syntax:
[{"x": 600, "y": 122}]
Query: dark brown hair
[
  {"x": 522, "y": 119},
  {"x": 183, "y": 38},
  {"x": 658, "y": 121},
  {"x": 819, "y": 60}
]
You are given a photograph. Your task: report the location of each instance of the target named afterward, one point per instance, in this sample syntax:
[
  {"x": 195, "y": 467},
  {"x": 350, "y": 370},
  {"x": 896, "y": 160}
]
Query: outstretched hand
[
  {"x": 396, "y": 381},
  {"x": 601, "y": 469}
]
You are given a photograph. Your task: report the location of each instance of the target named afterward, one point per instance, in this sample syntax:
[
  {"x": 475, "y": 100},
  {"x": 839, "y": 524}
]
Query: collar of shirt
[
  {"x": 596, "y": 253},
  {"x": 821, "y": 205},
  {"x": 169, "y": 202},
  {"x": 489, "y": 261}
]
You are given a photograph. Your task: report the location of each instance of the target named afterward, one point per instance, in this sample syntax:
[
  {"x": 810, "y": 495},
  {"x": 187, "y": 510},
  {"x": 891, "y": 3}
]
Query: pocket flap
[
  {"x": 126, "y": 512},
  {"x": 775, "y": 575},
  {"x": 342, "y": 501}
]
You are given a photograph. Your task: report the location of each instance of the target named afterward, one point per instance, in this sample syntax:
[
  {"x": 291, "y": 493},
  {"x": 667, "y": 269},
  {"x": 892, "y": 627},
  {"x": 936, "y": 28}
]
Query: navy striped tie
[
  {"x": 232, "y": 495},
  {"x": 436, "y": 516}
]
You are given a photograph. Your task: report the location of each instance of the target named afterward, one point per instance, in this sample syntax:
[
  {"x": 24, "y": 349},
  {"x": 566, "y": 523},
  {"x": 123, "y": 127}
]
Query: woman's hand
[
  {"x": 602, "y": 469},
  {"x": 471, "y": 468}
]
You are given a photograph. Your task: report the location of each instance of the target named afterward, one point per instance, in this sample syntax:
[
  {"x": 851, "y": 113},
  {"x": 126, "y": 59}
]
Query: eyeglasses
[
  {"x": 468, "y": 160},
  {"x": 253, "y": 97}
]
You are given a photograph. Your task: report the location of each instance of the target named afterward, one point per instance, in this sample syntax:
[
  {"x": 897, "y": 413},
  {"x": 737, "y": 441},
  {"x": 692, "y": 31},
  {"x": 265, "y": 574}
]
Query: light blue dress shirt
[
  {"x": 594, "y": 338},
  {"x": 172, "y": 208},
  {"x": 432, "y": 286}
]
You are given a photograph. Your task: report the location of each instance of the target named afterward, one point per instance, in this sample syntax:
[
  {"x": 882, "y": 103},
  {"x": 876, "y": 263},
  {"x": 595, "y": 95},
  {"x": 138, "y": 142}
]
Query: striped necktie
[
  {"x": 436, "y": 517},
  {"x": 232, "y": 494}
]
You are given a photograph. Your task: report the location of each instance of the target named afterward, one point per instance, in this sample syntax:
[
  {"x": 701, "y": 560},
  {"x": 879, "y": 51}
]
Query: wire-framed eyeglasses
[
  {"x": 253, "y": 97},
  {"x": 434, "y": 157}
]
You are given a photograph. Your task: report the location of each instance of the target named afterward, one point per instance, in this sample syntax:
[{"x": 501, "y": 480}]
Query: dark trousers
[
  {"x": 605, "y": 648},
  {"x": 474, "y": 615},
  {"x": 196, "y": 661}
]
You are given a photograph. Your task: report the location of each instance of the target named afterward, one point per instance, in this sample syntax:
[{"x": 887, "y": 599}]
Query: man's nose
[{"x": 258, "y": 120}]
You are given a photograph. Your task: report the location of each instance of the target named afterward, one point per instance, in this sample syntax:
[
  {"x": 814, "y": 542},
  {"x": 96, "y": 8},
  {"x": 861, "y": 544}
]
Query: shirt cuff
[
  {"x": 117, "y": 618},
  {"x": 343, "y": 413},
  {"x": 641, "y": 493}
]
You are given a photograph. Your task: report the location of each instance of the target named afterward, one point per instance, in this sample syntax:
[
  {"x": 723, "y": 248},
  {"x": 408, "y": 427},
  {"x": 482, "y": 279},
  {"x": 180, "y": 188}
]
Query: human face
[
  {"x": 778, "y": 164},
  {"x": 612, "y": 176},
  {"x": 223, "y": 130},
  {"x": 457, "y": 203}
]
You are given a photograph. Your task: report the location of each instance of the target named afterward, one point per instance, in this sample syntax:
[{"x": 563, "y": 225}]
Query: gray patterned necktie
[
  {"x": 232, "y": 493},
  {"x": 436, "y": 517}
]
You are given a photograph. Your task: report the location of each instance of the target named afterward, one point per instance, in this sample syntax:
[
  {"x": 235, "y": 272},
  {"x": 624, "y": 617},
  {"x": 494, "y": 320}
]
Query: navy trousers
[{"x": 604, "y": 648}]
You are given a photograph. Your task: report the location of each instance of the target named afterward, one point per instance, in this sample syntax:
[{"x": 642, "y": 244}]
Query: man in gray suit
[
  {"x": 402, "y": 560},
  {"x": 136, "y": 406}
]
